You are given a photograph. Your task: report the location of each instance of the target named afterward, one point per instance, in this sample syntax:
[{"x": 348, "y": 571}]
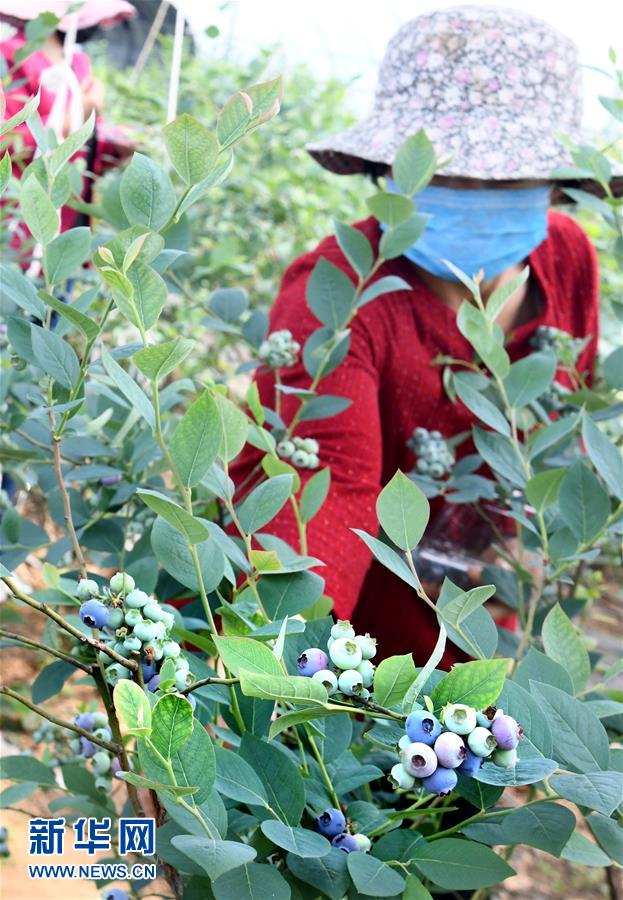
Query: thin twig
[
  {"x": 20, "y": 639},
  {"x": 202, "y": 682},
  {"x": 69, "y": 522}
]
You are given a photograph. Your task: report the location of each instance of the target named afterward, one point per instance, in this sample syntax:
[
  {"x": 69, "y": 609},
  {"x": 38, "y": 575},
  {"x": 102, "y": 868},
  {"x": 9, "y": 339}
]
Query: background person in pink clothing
[{"x": 42, "y": 57}]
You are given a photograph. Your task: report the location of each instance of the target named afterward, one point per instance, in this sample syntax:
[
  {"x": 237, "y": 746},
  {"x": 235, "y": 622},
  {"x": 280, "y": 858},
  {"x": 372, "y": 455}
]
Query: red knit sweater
[{"x": 394, "y": 388}]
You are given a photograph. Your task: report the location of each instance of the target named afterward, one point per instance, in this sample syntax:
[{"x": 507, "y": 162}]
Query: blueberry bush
[{"x": 277, "y": 759}]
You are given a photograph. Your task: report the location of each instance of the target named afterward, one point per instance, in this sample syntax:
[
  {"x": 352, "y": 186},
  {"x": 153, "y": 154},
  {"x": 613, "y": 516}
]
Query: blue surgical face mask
[{"x": 477, "y": 229}]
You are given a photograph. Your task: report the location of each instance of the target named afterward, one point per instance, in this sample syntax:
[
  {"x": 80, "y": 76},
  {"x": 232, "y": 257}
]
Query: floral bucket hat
[{"x": 491, "y": 87}]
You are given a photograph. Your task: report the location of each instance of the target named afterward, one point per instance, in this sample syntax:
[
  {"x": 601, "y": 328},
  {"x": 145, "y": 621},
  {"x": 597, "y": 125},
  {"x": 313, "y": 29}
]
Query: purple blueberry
[
  {"x": 85, "y": 720},
  {"x": 470, "y": 765},
  {"x": 149, "y": 670},
  {"x": 110, "y": 480},
  {"x": 346, "y": 842},
  {"x": 507, "y": 732},
  {"x": 94, "y": 614},
  {"x": 331, "y": 822},
  {"x": 115, "y": 765},
  {"x": 441, "y": 782},
  {"x": 450, "y": 750},
  {"x": 154, "y": 683},
  {"x": 311, "y": 661},
  {"x": 423, "y": 726},
  {"x": 419, "y": 760},
  {"x": 87, "y": 748}
]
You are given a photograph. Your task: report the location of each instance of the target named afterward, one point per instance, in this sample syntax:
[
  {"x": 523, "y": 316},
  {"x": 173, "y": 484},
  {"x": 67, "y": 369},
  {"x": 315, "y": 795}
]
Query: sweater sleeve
[{"x": 350, "y": 443}]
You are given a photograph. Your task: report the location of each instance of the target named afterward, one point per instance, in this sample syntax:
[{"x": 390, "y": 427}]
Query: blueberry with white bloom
[
  {"x": 471, "y": 764},
  {"x": 345, "y": 653},
  {"x": 507, "y": 732},
  {"x": 450, "y": 749},
  {"x": 311, "y": 661},
  {"x": 350, "y": 683},
  {"x": 441, "y": 782},
  {"x": 459, "y": 718},
  {"x": 122, "y": 583},
  {"x": 331, "y": 822},
  {"x": 346, "y": 842},
  {"x": 366, "y": 670},
  {"x": 342, "y": 629},
  {"x": 136, "y": 599},
  {"x": 505, "y": 759},
  {"x": 481, "y": 742},
  {"x": 423, "y": 726},
  {"x": 400, "y": 778},
  {"x": 419, "y": 760},
  {"x": 328, "y": 679},
  {"x": 366, "y": 644},
  {"x": 87, "y": 588},
  {"x": 94, "y": 614}
]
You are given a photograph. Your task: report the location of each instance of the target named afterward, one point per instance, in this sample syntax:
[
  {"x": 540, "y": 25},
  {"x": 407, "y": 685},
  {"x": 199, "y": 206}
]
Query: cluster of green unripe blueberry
[
  {"x": 434, "y": 456},
  {"x": 302, "y": 452},
  {"x": 139, "y": 626},
  {"x": 332, "y": 824},
  {"x": 4, "y": 842},
  {"x": 279, "y": 350},
  {"x": 434, "y": 750},
  {"x": 563, "y": 345},
  {"x": 345, "y": 666},
  {"x": 102, "y": 763}
]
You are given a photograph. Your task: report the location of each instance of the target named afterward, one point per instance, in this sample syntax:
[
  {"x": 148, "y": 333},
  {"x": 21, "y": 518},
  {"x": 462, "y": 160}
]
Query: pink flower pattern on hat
[{"x": 490, "y": 86}]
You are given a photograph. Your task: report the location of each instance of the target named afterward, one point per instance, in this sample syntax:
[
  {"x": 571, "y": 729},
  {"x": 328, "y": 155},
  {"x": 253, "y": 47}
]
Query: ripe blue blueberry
[
  {"x": 367, "y": 645},
  {"x": 366, "y": 670},
  {"x": 149, "y": 670},
  {"x": 345, "y": 653},
  {"x": 346, "y": 842},
  {"x": 350, "y": 682},
  {"x": 423, "y": 726},
  {"x": 136, "y": 599},
  {"x": 85, "y": 720},
  {"x": 419, "y": 760},
  {"x": 459, "y": 718},
  {"x": 121, "y": 583},
  {"x": 481, "y": 742},
  {"x": 87, "y": 588},
  {"x": 505, "y": 759},
  {"x": 342, "y": 629},
  {"x": 506, "y": 731},
  {"x": 154, "y": 683},
  {"x": 328, "y": 678},
  {"x": 311, "y": 661},
  {"x": 441, "y": 782},
  {"x": 94, "y": 614},
  {"x": 470, "y": 765},
  {"x": 87, "y": 748},
  {"x": 450, "y": 750},
  {"x": 400, "y": 778},
  {"x": 331, "y": 822}
]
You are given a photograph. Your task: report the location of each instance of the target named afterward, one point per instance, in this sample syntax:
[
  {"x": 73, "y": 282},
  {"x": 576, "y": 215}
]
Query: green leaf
[
  {"x": 601, "y": 791},
  {"x": 220, "y": 171},
  {"x": 280, "y": 776},
  {"x": 55, "y": 356},
  {"x": 192, "y": 148},
  {"x": 584, "y": 505},
  {"x": 499, "y": 298},
  {"x": 215, "y": 857},
  {"x": 27, "y": 769},
  {"x": 563, "y": 644},
  {"x": 482, "y": 407},
  {"x": 613, "y": 369},
  {"x": 403, "y": 511},
  {"x": 386, "y": 285},
  {"x": 149, "y": 296},
  {"x": 51, "y": 680},
  {"x": 580, "y": 740},
  {"x": 392, "y": 679},
  {"x": 26, "y": 112},
  {"x": 477, "y": 633},
  {"x": 146, "y": 193},
  {"x": 299, "y": 716},
  {"x": 194, "y": 531},
  {"x": 129, "y": 388},
  {"x": 483, "y": 337},
  {"x": 171, "y": 549},
  {"x": 373, "y": 877},
  {"x": 299, "y": 841},
  {"x": 397, "y": 239},
  {"x": 330, "y": 294},
  {"x": 159, "y": 361},
  {"x": 466, "y": 603},
  {"x": 476, "y": 684},
  {"x": 287, "y": 595},
  {"x": 38, "y": 211},
  {"x": 264, "y": 502},
  {"x": 66, "y": 254},
  {"x": 234, "y": 428},
  {"x": 604, "y": 455},
  {"x": 584, "y": 852},
  {"x": 15, "y": 287},
  {"x": 314, "y": 494},
  {"x": 417, "y": 686},
  {"x": 459, "y": 864},
  {"x": 292, "y": 688},
  {"x": 252, "y": 882},
  {"x": 355, "y": 246},
  {"x": 415, "y": 890},
  {"x": 542, "y": 490},
  {"x": 498, "y": 453},
  {"x": 234, "y": 118},
  {"x": 236, "y": 779},
  {"x": 517, "y": 702},
  {"x": 327, "y": 876},
  {"x": 546, "y": 826},
  {"x": 415, "y": 163},
  {"x": 83, "y": 323},
  {"x": 391, "y": 209},
  {"x": 5, "y": 172},
  {"x": 70, "y": 145},
  {"x": 244, "y": 653},
  {"x": 171, "y": 724},
  {"x": 147, "y": 784},
  {"x": 132, "y": 707},
  {"x": 609, "y": 834},
  {"x": 535, "y": 666},
  {"x": 194, "y": 764},
  {"x": 196, "y": 439},
  {"x": 552, "y": 434},
  {"x": 324, "y": 407},
  {"x": 529, "y": 377},
  {"x": 388, "y": 558}
]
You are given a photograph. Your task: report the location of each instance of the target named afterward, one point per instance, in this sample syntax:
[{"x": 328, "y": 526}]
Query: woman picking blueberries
[{"x": 490, "y": 87}]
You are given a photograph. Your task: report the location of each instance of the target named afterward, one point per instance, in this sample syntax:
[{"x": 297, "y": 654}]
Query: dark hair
[{"x": 82, "y": 36}]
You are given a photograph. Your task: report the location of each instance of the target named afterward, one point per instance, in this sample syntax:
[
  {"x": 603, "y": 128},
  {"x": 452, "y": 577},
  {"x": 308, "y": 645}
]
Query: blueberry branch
[
  {"x": 69, "y": 522},
  {"x": 67, "y": 626},
  {"x": 112, "y": 748},
  {"x": 213, "y": 680},
  {"x": 20, "y": 639}
]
